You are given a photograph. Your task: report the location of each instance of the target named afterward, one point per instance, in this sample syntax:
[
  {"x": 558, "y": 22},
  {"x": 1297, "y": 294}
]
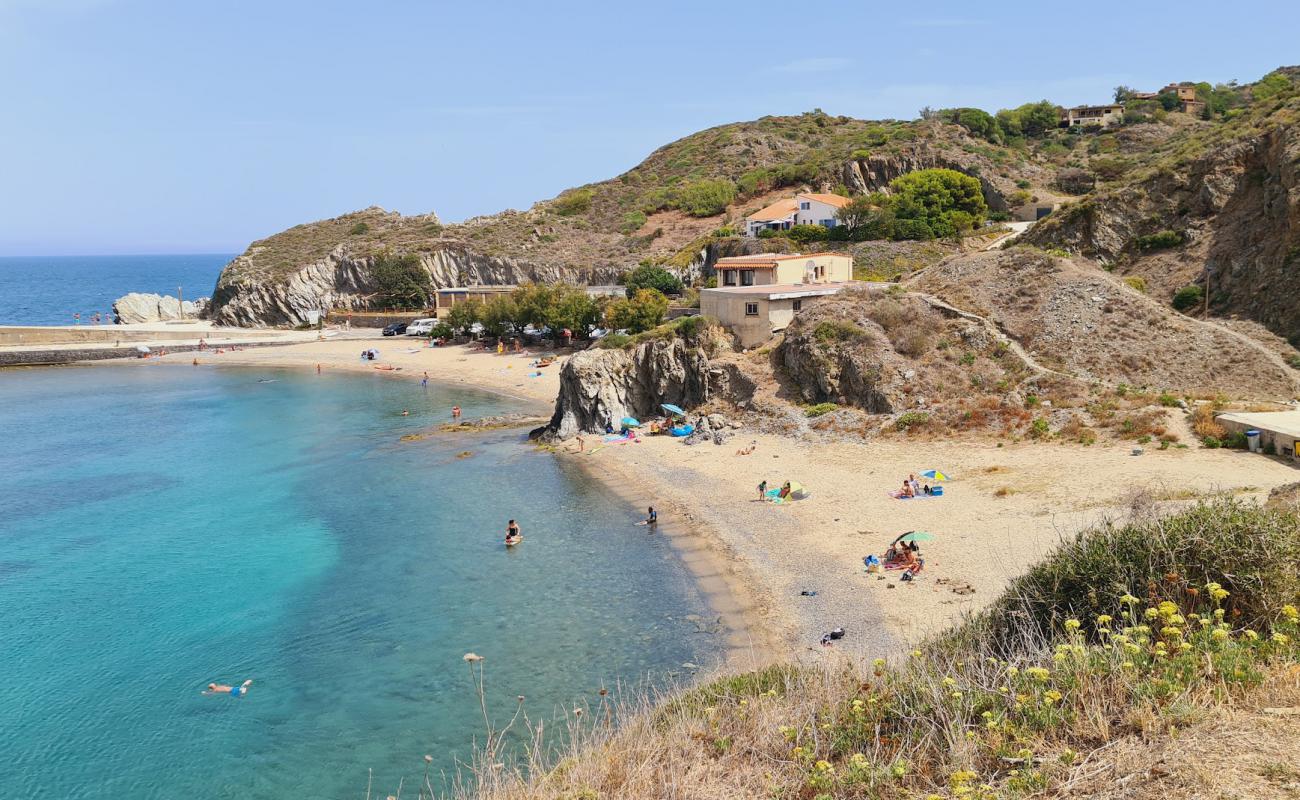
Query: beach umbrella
[
  {"x": 631, "y": 422},
  {"x": 915, "y": 536},
  {"x": 672, "y": 409},
  {"x": 934, "y": 475},
  {"x": 142, "y": 348}
]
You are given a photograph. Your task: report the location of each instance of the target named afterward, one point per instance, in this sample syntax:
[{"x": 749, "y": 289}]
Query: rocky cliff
[
  {"x": 342, "y": 280},
  {"x": 1228, "y": 209},
  {"x": 600, "y": 387}
]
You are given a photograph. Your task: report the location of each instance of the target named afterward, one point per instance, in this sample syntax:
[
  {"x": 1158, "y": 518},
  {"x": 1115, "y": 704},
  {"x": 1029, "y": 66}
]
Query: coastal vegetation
[{"x": 1128, "y": 635}]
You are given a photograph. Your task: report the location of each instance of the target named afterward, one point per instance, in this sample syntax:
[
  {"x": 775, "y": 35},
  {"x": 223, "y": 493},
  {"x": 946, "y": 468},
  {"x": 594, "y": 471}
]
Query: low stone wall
[
  {"x": 16, "y": 335},
  {"x": 38, "y": 357}
]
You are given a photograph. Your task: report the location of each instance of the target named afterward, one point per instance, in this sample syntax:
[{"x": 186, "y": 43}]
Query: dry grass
[{"x": 1203, "y": 422}]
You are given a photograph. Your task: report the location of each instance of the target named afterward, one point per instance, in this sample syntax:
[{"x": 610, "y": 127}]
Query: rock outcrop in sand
[
  {"x": 599, "y": 387},
  {"x": 137, "y": 307}
]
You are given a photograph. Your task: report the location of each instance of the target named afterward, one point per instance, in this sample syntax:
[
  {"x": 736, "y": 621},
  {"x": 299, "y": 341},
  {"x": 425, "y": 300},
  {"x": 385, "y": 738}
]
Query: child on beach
[{"x": 762, "y": 490}]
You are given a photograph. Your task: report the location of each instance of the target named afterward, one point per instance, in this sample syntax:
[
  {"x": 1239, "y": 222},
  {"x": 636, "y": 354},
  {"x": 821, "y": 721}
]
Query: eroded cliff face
[
  {"x": 1238, "y": 211},
  {"x": 599, "y": 387},
  {"x": 343, "y": 281},
  {"x": 873, "y": 174}
]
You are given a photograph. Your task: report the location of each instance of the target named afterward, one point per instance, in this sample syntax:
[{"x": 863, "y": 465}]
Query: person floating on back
[{"x": 233, "y": 691}]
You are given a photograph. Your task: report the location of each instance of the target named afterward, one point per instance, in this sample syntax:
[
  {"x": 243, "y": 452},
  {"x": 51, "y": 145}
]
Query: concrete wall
[
  {"x": 15, "y": 335},
  {"x": 1283, "y": 445},
  {"x": 68, "y": 355},
  {"x": 838, "y": 269},
  {"x": 817, "y": 213}
]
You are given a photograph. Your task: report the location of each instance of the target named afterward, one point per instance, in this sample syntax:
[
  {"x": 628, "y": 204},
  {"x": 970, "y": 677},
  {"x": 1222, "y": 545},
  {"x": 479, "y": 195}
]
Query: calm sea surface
[
  {"x": 49, "y": 290},
  {"x": 162, "y": 527}
]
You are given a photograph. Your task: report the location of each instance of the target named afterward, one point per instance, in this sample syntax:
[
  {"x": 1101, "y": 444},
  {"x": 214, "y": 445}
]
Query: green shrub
[
  {"x": 1160, "y": 240},
  {"x": 835, "y": 330},
  {"x": 807, "y": 233},
  {"x": 632, "y": 222},
  {"x": 613, "y": 341},
  {"x": 1039, "y": 428},
  {"x": 912, "y": 229},
  {"x": 1294, "y": 361},
  {"x": 1212, "y": 442},
  {"x": 1168, "y": 400},
  {"x": 650, "y": 276},
  {"x": 820, "y": 409},
  {"x": 1137, "y": 282},
  {"x": 642, "y": 311},
  {"x": 1235, "y": 440},
  {"x": 402, "y": 281},
  {"x": 1249, "y": 550},
  {"x": 359, "y": 229},
  {"x": 768, "y": 233},
  {"x": 572, "y": 202},
  {"x": 911, "y": 419},
  {"x": 706, "y": 198},
  {"x": 1188, "y": 297}
]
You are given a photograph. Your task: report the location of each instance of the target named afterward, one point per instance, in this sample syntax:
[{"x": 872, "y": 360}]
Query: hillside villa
[
  {"x": 1102, "y": 116},
  {"x": 802, "y": 209},
  {"x": 759, "y": 295}
]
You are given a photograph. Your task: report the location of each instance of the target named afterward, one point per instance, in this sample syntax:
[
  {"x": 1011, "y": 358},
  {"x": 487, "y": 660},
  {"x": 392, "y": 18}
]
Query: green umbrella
[{"x": 915, "y": 536}]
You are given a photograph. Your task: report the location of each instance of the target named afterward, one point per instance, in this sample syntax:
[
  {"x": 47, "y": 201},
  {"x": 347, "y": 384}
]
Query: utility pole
[{"x": 180, "y": 299}]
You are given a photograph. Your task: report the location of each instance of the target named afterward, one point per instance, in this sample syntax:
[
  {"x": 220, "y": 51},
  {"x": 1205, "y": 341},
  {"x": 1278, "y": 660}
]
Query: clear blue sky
[{"x": 153, "y": 126}]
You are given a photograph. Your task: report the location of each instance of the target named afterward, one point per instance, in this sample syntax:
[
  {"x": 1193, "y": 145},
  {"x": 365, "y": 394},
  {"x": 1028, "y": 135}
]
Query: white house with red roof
[{"x": 810, "y": 208}]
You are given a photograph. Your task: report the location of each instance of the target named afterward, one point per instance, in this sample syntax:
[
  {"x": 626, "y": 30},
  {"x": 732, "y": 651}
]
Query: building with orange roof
[
  {"x": 760, "y": 294},
  {"x": 809, "y": 208}
]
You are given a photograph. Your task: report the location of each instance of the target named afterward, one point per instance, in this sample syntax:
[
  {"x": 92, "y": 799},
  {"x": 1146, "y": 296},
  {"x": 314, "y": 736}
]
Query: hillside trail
[{"x": 1041, "y": 369}]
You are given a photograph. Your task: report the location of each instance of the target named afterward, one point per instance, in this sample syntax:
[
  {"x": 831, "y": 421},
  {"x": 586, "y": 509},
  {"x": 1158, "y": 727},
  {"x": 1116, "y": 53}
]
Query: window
[
  {"x": 751, "y": 309},
  {"x": 747, "y": 277},
  {"x": 728, "y": 277},
  {"x": 798, "y": 305},
  {"x": 804, "y": 205}
]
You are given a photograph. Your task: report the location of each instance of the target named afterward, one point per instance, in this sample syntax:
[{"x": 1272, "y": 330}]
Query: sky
[{"x": 182, "y": 126}]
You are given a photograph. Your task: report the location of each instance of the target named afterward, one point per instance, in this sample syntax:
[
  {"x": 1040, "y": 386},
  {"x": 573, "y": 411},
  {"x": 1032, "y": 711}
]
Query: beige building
[
  {"x": 768, "y": 268},
  {"x": 1103, "y": 116},
  {"x": 759, "y": 295},
  {"x": 444, "y": 299},
  {"x": 754, "y": 313}
]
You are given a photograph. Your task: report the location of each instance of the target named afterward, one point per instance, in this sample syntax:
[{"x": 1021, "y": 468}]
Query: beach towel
[{"x": 897, "y": 494}]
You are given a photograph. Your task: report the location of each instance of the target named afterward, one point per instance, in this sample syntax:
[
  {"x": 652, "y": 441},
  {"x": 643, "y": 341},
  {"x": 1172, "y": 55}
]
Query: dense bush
[
  {"x": 401, "y": 280},
  {"x": 632, "y": 222},
  {"x": 820, "y": 409},
  {"x": 1250, "y": 551},
  {"x": 359, "y": 229},
  {"x": 1188, "y": 297},
  {"x": 706, "y": 198},
  {"x": 910, "y": 420},
  {"x": 642, "y": 311},
  {"x": 834, "y": 330},
  {"x": 946, "y": 200},
  {"x": 572, "y": 202},
  {"x": 1137, "y": 282},
  {"x": 807, "y": 233},
  {"x": 1076, "y": 181},
  {"x": 651, "y": 276},
  {"x": 911, "y": 229},
  {"x": 1159, "y": 240}
]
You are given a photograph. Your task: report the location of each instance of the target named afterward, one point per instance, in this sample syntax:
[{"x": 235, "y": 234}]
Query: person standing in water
[
  {"x": 424, "y": 382},
  {"x": 455, "y": 412},
  {"x": 233, "y": 691},
  {"x": 513, "y": 534}
]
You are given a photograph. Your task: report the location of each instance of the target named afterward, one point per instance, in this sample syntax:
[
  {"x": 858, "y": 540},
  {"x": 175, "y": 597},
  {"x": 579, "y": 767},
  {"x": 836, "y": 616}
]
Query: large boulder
[{"x": 138, "y": 307}]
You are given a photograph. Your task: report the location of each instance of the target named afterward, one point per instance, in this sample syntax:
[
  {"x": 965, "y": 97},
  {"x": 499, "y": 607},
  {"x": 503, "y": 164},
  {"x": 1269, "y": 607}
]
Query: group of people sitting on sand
[
  {"x": 783, "y": 494},
  {"x": 913, "y": 488}
]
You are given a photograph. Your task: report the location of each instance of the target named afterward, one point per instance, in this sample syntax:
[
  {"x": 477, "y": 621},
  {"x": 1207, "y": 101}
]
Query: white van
[{"x": 421, "y": 327}]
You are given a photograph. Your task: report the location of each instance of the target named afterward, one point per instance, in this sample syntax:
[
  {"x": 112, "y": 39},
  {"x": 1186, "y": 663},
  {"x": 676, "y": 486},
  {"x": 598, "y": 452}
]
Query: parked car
[
  {"x": 395, "y": 329},
  {"x": 421, "y": 327}
]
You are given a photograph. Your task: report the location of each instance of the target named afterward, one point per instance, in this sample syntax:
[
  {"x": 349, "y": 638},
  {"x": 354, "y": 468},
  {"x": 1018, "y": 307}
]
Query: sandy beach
[{"x": 1003, "y": 508}]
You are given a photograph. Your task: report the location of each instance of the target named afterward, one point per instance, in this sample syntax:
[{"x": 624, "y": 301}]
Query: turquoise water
[
  {"x": 49, "y": 290},
  {"x": 163, "y": 527}
]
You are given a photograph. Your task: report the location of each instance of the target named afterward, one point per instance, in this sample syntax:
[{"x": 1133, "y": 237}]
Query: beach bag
[{"x": 837, "y": 633}]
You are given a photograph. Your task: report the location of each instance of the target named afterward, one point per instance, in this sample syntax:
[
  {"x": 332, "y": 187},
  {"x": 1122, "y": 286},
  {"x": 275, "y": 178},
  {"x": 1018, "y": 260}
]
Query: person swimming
[{"x": 233, "y": 691}]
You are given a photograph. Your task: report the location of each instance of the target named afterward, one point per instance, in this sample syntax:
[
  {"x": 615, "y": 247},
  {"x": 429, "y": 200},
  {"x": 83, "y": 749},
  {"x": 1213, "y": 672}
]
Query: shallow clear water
[
  {"x": 162, "y": 527},
  {"x": 49, "y": 290}
]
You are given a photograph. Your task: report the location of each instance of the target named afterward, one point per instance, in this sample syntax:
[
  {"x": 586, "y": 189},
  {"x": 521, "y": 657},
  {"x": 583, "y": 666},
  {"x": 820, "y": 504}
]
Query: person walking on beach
[{"x": 233, "y": 691}]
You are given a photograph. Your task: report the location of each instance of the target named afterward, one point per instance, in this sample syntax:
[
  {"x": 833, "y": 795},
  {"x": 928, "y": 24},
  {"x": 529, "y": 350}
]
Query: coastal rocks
[
  {"x": 248, "y": 295},
  {"x": 600, "y": 387},
  {"x": 137, "y": 307}
]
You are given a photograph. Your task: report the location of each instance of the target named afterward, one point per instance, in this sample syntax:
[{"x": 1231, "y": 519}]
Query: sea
[
  {"x": 67, "y": 290},
  {"x": 164, "y": 526}
]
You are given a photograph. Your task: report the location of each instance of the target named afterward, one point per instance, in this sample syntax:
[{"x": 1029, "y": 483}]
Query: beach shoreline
[{"x": 1006, "y": 506}]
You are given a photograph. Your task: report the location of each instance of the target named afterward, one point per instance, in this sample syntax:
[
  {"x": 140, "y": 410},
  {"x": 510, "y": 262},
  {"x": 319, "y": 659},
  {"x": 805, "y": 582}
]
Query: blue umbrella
[
  {"x": 631, "y": 422},
  {"x": 672, "y": 409},
  {"x": 934, "y": 475}
]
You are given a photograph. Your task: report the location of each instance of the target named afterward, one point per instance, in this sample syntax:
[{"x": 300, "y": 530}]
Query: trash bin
[{"x": 1252, "y": 441}]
